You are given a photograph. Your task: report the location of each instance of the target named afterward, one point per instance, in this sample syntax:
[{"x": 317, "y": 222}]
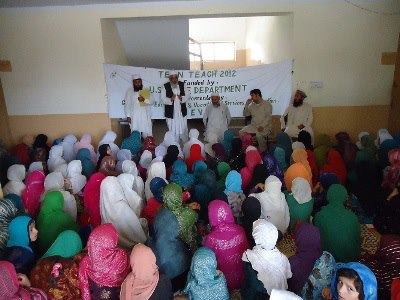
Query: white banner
[{"x": 233, "y": 85}]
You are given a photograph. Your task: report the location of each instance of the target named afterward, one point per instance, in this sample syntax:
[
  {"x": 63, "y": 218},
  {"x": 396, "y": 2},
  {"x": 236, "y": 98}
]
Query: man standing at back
[
  {"x": 216, "y": 118},
  {"x": 260, "y": 112},
  {"x": 174, "y": 96}
]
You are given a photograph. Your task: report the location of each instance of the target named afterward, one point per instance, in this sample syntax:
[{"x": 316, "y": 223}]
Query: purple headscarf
[
  {"x": 272, "y": 166},
  {"x": 308, "y": 243},
  {"x": 219, "y": 151}
]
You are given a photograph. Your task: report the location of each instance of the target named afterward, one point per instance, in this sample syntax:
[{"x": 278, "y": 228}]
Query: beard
[
  {"x": 297, "y": 104},
  {"x": 138, "y": 88}
]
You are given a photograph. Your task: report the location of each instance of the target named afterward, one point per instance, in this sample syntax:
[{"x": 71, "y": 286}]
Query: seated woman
[
  {"x": 195, "y": 155},
  {"x": 109, "y": 139},
  {"x": 233, "y": 192},
  {"x": 266, "y": 268},
  {"x": 181, "y": 176},
  {"x": 156, "y": 169},
  {"x": 352, "y": 281},
  {"x": 15, "y": 175},
  {"x": 251, "y": 209},
  {"x": 133, "y": 143},
  {"x": 154, "y": 204},
  {"x": 300, "y": 201},
  {"x": 8, "y": 211},
  {"x": 335, "y": 218},
  {"x": 321, "y": 189},
  {"x": 228, "y": 241},
  {"x": 88, "y": 167},
  {"x": 17, "y": 286},
  {"x": 21, "y": 234},
  {"x": 236, "y": 157},
  {"x": 33, "y": 192},
  {"x": 105, "y": 267},
  {"x": 57, "y": 271},
  {"x": 335, "y": 164},
  {"x": 308, "y": 250},
  {"x": 204, "y": 280},
  {"x": 145, "y": 281}
]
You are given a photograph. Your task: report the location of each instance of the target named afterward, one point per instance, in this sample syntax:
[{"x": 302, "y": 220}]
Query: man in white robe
[
  {"x": 216, "y": 117},
  {"x": 137, "y": 107},
  {"x": 174, "y": 96},
  {"x": 298, "y": 116}
]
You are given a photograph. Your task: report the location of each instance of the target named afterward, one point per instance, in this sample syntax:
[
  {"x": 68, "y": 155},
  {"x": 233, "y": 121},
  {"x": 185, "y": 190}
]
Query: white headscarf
[
  {"x": 74, "y": 175},
  {"x": 122, "y": 155},
  {"x": 274, "y": 207},
  {"x": 283, "y": 295},
  {"x": 129, "y": 167},
  {"x": 145, "y": 159},
  {"x": 212, "y": 139},
  {"x": 55, "y": 158},
  {"x": 68, "y": 147},
  {"x": 109, "y": 138},
  {"x": 35, "y": 166},
  {"x": 383, "y": 135},
  {"x": 169, "y": 139},
  {"x": 127, "y": 181},
  {"x": 15, "y": 174},
  {"x": 193, "y": 139},
  {"x": 360, "y": 136},
  {"x": 156, "y": 170},
  {"x": 301, "y": 190},
  {"x": 298, "y": 145},
  {"x": 250, "y": 148},
  {"x": 159, "y": 152},
  {"x": 273, "y": 267},
  {"x": 115, "y": 209},
  {"x": 55, "y": 182}
]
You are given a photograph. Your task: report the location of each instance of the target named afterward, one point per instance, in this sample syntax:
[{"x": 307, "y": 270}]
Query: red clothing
[
  {"x": 21, "y": 151},
  {"x": 195, "y": 155},
  {"x": 91, "y": 198},
  {"x": 396, "y": 289},
  {"x": 151, "y": 209},
  {"x": 335, "y": 164},
  {"x": 312, "y": 161}
]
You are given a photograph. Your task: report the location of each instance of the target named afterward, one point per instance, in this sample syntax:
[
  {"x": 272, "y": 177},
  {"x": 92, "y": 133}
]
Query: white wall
[
  {"x": 57, "y": 53},
  {"x": 114, "y": 52},
  {"x": 219, "y": 30},
  {"x": 156, "y": 42}
]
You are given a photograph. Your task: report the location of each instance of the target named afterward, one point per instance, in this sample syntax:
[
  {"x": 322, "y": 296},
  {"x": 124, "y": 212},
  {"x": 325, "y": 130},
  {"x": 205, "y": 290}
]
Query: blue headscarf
[
  {"x": 327, "y": 179},
  {"x": 233, "y": 182},
  {"x": 227, "y": 142},
  {"x": 88, "y": 167},
  {"x": 283, "y": 141},
  {"x": 370, "y": 285},
  {"x": 280, "y": 156},
  {"x": 57, "y": 141},
  {"x": 17, "y": 201},
  {"x": 172, "y": 255},
  {"x": 198, "y": 169},
  {"x": 18, "y": 232},
  {"x": 133, "y": 142},
  {"x": 180, "y": 175},
  {"x": 157, "y": 185},
  {"x": 204, "y": 281},
  {"x": 203, "y": 196}
]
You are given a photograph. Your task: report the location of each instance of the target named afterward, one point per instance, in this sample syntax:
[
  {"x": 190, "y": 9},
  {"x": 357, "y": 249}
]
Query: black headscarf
[
  {"x": 171, "y": 156},
  {"x": 251, "y": 209},
  {"x": 236, "y": 160},
  {"x": 41, "y": 142},
  {"x": 260, "y": 173},
  {"x": 305, "y": 138},
  {"x": 102, "y": 153}
]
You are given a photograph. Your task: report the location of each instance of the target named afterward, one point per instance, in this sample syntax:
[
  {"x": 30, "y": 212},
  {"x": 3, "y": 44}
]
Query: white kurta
[
  {"x": 216, "y": 120},
  {"x": 178, "y": 124},
  {"x": 295, "y": 117},
  {"x": 140, "y": 113}
]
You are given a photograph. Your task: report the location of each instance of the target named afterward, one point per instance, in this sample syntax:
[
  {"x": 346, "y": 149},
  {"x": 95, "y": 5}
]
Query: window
[{"x": 213, "y": 51}]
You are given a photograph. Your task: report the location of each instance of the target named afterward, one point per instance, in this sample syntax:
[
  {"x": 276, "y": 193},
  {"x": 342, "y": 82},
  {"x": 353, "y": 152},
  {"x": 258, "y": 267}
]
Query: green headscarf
[
  {"x": 223, "y": 169},
  {"x": 369, "y": 150},
  {"x": 67, "y": 244},
  {"x": 323, "y": 144},
  {"x": 187, "y": 217},
  {"x": 52, "y": 220}
]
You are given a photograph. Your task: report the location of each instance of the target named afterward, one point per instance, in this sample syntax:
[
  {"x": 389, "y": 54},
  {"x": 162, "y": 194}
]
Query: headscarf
[
  {"x": 229, "y": 135},
  {"x": 280, "y": 157},
  {"x": 149, "y": 144},
  {"x": 327, "y": 179},
  {"x": 88, "y": 167},
  {"x": 282, "y": 294},
  {"x": 35, "y": 166},
  {"x": 301, "y": 190},
  {"x": 195, "y": 155},
  {"x": 18, "y": 232},
  {"x": 171, "y": 156},
  {"x": 204, "y": 282},
  {"x": 74, "y": 175},
  {"x": 145, "y": 159},
  {"x": 91, "y": 198},
  {"x": 335, "y": 164},
  {"x": 56, "y": 160},
  {"x": 180, "y": 175},
  {"x": 160, "y": 152},
  {"x": 22, "y": 150},
  {"x": 107, "y": 166},
  {"x": 169, "y": 139},
  {"x": 68, "y": 147},
  {"x": 251, "y": 209},
  {"x": 294, "y": 171},
  {"x": 223, "y": 169},
  {"x": 272, "y": 166},
  {"x": 298, "y": 145},
  {"x": 219, "y": 152},
  {"x": 233, "y": 183},
  {"x": 86, "y": 143},
  {"x": 172, "y": 255},
  {"x": 157, "y": 185},
  {"x": 129, "y": 167},
  {"x": 370, "y": 286},
  {"x": 260, "y": 173},
  {"x": 16, "y": 175},
  {"x": 17, "y": 201},
  {"x": 284, "y": 142},
  {"x": 122, "y": 155},
  {"x": 102, "y": 152},
  {"x": 300, "y": 156},
  {"x": 272, "y": 267},
  {"x": 40, "y": 142},
  {"x": 157, "y": 169},
  {"x": 115, "y": 209},
  {"x": 252, "y": 159},
  {"x": 335, "y": 218},
  {"x": 193, "y": 139},
  {"x": 323, "y": 143},
  {"x": 273, "y": 204},
  {"x": 142, "y": 281},
  {"x": 199, "y": 167},
  {"x": 228, "y": 241},
  {"x": 383, "y": 135},
  {"x": 106, "y": 264},
  {"x": 135, "y": 202},
  {"x": 67, "y": 245},
  {"x": 133, "y": 142},
  {"x": 33, "y": 192},
  {"x": 305, "y": 138},
  {"x": 392, "y": 177},
  {"x": 247, "y": 140},
  {"x": 187, "y": 217},
  {"x": 109, "y": 138},
  {"x": 308, "y": 250},
  {"x": 368, "y": 149},
  {"x": 7, "y": 212},
  {"x": 52, "y": 220}
]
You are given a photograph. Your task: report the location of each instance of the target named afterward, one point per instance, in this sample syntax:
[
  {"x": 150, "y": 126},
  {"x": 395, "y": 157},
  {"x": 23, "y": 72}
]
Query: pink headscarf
[
  {"x": 33, "y": 191},
  {"x": 106, "y": 264},
  {"x": 228, "y": 241},
  {"x": 247, "y": 140},
  {"x": 252, "y": 159},
  {"x": 392, "y": 177},
  {"x": 10, "y": 288},
  {"x": 86, "y": 142},
  {"x": 142, "y": 281},
  {"x": 91, "y": 198}
]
